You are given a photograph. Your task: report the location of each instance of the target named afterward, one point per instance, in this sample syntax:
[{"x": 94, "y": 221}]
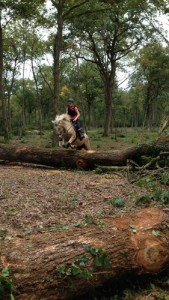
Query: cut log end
[
  {"x": 81, "y": 163},
  {"x": 152, "y": 256}
]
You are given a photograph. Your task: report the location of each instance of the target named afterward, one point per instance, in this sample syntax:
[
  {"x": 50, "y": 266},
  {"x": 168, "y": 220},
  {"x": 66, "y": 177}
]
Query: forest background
[{"x": 56, "y": 49}]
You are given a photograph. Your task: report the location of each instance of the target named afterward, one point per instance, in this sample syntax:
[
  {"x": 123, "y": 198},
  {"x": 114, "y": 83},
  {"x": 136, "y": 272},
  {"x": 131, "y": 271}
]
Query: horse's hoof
[
  {"x": 66, "y": 145},
  {"x": 73, "y": 146}
]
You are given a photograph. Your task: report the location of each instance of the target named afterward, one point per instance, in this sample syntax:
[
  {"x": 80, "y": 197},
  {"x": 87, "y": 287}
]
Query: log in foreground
[
  {"x": 63, "y": 264},
  {"x": 81, "y": 159}
]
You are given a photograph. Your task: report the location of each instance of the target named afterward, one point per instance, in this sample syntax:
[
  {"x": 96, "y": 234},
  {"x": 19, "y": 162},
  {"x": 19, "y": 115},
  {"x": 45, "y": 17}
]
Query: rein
[{"x": 71, "y": 125}]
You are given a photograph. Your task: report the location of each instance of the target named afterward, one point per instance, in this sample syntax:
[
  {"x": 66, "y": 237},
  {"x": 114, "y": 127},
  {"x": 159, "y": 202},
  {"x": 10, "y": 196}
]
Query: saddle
[{"x": 79, "y": 132}]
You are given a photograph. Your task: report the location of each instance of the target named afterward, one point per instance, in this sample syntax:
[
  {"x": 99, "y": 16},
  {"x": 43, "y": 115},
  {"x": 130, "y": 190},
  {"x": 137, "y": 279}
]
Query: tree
[
  {"x": 90, "y": 88},
  {"x": 63, "y": 10},
  {"x": 11, "y": 10},
  {"x": 152, "y": 71},
  {"x": 2, "y": 100},
  {"x": 109, "y": 32}
]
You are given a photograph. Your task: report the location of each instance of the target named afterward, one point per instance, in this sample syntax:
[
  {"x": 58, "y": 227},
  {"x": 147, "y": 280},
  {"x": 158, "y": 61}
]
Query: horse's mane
[
  {"x": 64, "y": 121},
  {"x": 62, "y": 117}
]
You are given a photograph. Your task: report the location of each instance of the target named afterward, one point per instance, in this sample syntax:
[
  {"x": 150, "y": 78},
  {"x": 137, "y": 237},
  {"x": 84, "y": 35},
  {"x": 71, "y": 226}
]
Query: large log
[
  {"x": 135, "y": 244},
  {"x": 82, "y": 159}
]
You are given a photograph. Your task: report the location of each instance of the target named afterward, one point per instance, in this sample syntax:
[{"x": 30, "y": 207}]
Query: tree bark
[
  {"x": 134, "y": 244},
  {"x": 56, "y": 55},
  {"x": 79, "y": 159},
  {"x": 2, "y": 98},
  {"x": 108, "y": 105}
]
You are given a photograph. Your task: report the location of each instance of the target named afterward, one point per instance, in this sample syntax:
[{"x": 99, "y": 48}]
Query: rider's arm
[{"x": 78, "y": 114}]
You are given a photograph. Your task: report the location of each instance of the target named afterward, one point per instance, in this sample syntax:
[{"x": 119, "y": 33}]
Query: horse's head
[
  {"x": 60, "y": 123},
  {"x": 60, "y": 118}
]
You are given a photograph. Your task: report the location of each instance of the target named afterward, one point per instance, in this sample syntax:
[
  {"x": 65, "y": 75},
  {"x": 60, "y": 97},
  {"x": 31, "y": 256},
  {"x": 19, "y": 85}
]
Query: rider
[{"x": 74, "y": 114}]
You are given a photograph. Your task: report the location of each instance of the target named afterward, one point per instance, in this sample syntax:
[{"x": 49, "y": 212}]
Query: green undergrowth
[
  {"x": 124, "y": 136},
  {"x": 7, "y": 288}
]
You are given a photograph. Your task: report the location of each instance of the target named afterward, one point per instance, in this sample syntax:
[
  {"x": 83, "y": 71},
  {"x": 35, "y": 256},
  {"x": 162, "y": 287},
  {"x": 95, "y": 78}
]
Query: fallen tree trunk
[
  {"x": 81, "y": 159},
  {"x": 63, "y": 264}
]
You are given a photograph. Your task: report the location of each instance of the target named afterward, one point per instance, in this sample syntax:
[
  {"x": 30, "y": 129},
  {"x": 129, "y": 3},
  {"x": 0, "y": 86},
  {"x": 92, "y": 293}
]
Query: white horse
[{"x": 64, "y": 128}]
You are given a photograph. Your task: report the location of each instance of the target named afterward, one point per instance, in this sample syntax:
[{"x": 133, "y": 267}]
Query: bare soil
[{"x": 33, "y": 200}]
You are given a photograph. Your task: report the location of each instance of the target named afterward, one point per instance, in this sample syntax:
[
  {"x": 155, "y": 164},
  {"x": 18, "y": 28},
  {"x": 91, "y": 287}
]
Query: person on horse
[{"x": 74, "y": 114}]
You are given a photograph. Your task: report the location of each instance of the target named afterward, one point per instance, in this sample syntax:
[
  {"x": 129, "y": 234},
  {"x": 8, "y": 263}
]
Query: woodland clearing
[{"x": 36, "y": 200}]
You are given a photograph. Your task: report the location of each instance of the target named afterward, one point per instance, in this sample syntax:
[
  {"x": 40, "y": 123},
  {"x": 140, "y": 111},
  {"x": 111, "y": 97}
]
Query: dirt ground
[{"x": 33, "y": 199}]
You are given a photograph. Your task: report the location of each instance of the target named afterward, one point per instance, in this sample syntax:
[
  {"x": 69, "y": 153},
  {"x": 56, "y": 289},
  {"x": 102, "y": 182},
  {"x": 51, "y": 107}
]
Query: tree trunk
[
  {"x": 2, "y": 99},
  {"x": 63, "y": 264},
  {"x": 56, "y": 56},
  {"x": 108, "y": 106},
  {"x": 38, "y": 94},
  {"x": 81, "y": 159}
]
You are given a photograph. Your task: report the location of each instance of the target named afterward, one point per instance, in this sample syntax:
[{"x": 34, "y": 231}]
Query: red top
[{"x": 72, "y": 112}]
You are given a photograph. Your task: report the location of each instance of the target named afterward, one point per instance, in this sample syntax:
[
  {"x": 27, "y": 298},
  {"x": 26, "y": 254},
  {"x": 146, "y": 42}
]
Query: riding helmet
[{"x": 71, "y": 100}]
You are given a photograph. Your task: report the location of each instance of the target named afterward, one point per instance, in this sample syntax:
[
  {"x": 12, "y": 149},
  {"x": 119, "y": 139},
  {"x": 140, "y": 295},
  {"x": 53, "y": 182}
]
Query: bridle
[{"x": 71, "y": 125}]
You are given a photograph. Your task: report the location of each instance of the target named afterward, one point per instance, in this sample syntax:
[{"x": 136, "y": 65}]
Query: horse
[{"x": 64, "y": 128}]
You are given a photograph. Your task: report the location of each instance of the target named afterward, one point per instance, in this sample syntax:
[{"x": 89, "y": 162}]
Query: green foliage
[
  {"x": 155, "y": 232},
  {"x": 78, "y": 267},
  {"x": 165, "y": 197},
  {"x": 6, "y": 286},
  {"x": 147, "y": 181},
  {"x": 152, "y": 69},
  {"x": 88, "y": 219},
  {"x": 165, "y": 178},
  {"x": 132, "y": 226},
  {"x": 3, "y": 233},
  {"x": 73, "y": 200},
  {"x": 98, "y": 170},
  {"x": 143, "y": 200},
  {"x": 162, "y": 296},
  {"x": 63, "y": 227},
  {"x": 100, "y": 257},
  {"x": 117, "y": 202},
  {"x": 157, "y": 195},
  {"x": 160, "y": 196}
]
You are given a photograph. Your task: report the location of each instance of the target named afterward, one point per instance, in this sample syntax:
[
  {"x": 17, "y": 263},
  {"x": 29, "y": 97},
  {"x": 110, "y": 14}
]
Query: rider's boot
[{"x": 81, "y": 133}]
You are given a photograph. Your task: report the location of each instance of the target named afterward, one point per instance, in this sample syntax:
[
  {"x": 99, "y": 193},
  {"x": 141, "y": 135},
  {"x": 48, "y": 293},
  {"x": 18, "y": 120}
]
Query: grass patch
[{"x": 125, "y": 138}]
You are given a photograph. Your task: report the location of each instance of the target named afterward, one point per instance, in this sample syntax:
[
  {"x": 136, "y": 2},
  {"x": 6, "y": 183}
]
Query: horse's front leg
[
  {"x": 70, "y": 142},
  {"x": 60, "y": 141},
  {"x": 72, "y": 139}
]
